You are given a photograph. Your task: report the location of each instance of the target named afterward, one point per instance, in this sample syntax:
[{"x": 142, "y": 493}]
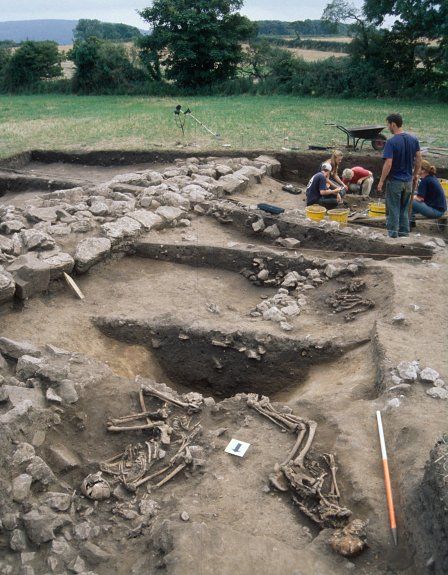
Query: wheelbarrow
[{"x": 363, "y": 134}]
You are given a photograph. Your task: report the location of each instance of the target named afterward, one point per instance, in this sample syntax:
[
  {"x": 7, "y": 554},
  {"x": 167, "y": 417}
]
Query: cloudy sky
[{"x": 125, "y": 10}]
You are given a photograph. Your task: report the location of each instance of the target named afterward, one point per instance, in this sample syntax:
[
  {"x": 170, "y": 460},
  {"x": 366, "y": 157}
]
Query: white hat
[{"x": 326, "y": 166}]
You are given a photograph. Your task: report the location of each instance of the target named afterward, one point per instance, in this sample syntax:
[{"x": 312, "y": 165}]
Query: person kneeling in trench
[
  {"x": 430, "y": 200},
  {"x": 358, "y": 179},
  {"x": 318, "y": 192}
]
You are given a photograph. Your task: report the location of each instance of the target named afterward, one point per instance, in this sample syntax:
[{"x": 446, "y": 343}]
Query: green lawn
[{"x": 270, "y": 122}]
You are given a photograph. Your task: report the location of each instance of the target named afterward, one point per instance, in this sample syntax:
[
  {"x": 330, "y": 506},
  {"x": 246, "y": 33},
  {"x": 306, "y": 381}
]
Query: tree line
[
  {"x": 301, "y": 28},
  {"x": 208, "y": 47}
]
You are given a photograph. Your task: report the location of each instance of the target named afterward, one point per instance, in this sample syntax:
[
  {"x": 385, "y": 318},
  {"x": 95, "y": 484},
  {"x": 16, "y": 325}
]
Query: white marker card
[{"x": 237, "y": 447}]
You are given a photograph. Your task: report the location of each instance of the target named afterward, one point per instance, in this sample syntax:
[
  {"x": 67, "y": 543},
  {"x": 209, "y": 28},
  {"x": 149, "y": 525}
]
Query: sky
[{"x": 125, "y": 10}]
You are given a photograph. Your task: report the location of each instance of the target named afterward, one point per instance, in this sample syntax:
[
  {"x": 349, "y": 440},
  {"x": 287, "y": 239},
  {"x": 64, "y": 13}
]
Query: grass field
[
  {"x": 315, "y": 55},
  {"x": 74, "y": 122}
]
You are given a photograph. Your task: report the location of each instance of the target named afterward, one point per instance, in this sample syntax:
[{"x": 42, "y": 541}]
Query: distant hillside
[{"x": 60, "y": 31}]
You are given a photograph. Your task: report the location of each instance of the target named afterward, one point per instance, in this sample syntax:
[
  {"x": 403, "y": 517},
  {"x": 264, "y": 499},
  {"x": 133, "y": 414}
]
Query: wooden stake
[
  {"x": 71, "y": 283},
  {"x": 390, "y": 502}
]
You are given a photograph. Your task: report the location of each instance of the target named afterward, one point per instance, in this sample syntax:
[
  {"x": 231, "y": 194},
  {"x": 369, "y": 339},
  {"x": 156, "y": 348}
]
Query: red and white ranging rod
[{"x": 390, "y": 501}]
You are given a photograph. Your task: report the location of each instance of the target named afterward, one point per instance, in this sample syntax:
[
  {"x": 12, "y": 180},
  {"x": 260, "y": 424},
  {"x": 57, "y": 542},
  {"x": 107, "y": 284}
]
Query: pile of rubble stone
[
  {"x": 290, "y": 298},
  {"x": 407, "y": 373}
]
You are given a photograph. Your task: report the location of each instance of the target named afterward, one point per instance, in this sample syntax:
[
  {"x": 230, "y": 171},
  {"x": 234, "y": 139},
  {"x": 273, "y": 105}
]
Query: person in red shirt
[{"x": 358, "y": 180}]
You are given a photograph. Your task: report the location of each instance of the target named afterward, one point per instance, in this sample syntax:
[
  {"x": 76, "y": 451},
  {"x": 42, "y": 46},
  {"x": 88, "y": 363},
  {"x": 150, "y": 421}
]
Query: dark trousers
[
  {"x": 398, "y": 196},
  {"x": 329, "y": 202}
]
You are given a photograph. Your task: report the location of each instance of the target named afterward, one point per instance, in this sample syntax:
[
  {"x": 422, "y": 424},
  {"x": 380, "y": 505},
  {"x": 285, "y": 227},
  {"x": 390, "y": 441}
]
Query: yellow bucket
[
  {"x": 315, "y": 212},
  {"x": 445, "y": 186},
  {"x": 339, "y": 215},
  {"x": 377, "y": 210}
]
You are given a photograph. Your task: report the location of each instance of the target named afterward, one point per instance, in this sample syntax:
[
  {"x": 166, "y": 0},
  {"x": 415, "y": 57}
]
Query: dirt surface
[
  {"x": 180, "y": 306},
  {"x": 88, "y": 174}
]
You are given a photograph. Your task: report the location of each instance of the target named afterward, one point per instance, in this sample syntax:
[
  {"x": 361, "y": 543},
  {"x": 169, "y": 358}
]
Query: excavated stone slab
[
  {"x": 133, "y": 179},
  {"x": 121, "y": 229},
  {"x": 196, "y": 193},
  {"x": 18, "y": 395},
  {"x": 31, "y": 275},
  {"x": 59, "y": 263},
  {"x": 35, "y": 215},
  {"x": 7, "y": 285},
  {"x": 147, "y": 219},
  {"x": 254, "y": 175},
  {"x": 15, "y": 349},
  {"x": 90, "y": 251},
  {"x": 273, "y": 166},
  {"x": 6, "y": 245},
  {"x": 233, "y": 184},
  {"x": 169, "y": 213},
  {"x": 12, "y": 226},
  {"x": 34, "y": 239}
]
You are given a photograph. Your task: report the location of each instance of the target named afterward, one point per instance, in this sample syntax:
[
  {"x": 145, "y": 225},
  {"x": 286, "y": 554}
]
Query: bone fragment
[
  {"x": 151, "y": 425},
  {"x": 133, "y": 486},
  {"x": 175, "y": 471},
  {"x": 296, "y": 447},
  {"x": 333, "y": 469},
  {"x": 312, "y": 426},
  {"x": 192, "y": 407}
]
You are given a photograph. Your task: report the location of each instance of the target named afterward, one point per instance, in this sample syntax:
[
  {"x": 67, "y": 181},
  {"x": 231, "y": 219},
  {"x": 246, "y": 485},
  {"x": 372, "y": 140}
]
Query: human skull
[{"x": 95, "y": 487}]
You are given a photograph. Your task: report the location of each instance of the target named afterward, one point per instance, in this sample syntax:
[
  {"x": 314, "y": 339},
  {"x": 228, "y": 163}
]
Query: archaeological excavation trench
[{"x": 204, "y": 319}]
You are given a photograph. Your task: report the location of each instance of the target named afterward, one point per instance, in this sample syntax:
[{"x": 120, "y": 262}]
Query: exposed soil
[{"x": 176, "y": 306}]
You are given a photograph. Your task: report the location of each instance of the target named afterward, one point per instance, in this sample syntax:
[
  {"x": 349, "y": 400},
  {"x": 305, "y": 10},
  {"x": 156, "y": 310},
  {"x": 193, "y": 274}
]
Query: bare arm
[
  {"x": 330, "y": 192},
  {"x": 385, "y": 172},
  {"x": 331, "y": 184},
  {"x": 417, "y": 166},
  {"x": 340, "y": 182}
]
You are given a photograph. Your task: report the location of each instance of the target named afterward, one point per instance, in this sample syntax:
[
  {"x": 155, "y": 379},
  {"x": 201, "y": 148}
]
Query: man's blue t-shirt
[
  {"x": 317, "y": 184},
  {"x": 401, "y": 148},
  {"x": 431, "y": 190}
]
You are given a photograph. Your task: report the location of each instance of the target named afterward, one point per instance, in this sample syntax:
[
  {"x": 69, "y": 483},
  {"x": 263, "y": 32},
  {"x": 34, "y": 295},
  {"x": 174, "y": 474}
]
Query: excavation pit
[{"x": 189, "y": 302}]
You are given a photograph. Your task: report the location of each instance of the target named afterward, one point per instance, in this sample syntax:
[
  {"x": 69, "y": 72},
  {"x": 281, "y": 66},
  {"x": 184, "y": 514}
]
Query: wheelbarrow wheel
[{"x": 379, "y": 142}]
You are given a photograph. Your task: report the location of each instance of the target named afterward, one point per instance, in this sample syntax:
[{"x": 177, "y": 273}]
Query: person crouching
[
  {"x": 430, "y": 200},
  {"x": 318, "y": 192},
  {"x": 358, "y": 179}
]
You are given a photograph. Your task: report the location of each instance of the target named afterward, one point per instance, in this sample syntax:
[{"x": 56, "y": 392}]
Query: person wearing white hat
[
  {"x": 318, "y": 192},
  {"x": 358, "y": 179}
]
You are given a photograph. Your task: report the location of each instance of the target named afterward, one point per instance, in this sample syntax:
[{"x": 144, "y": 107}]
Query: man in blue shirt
[
  {"x": 318, "y": 192},
  {"x": 402, "y": 160}
]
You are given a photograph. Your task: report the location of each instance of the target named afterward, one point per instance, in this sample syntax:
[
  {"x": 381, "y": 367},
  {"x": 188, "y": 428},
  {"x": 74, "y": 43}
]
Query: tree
[
  {"x": 195, "y": 42},
  {"x": 416, "y": 23},
  {"x": 419, "y": 21},
  {"x": 86, "y": 29},
  {"x": 263, "y": 61},
  {"x": 103, "y": 67},
  {"x": 5, "y": 56},
  {"x": 31, "y": 63},
  {"x": 257, "y": 60},
  {"x": 339, "y": 11}
]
